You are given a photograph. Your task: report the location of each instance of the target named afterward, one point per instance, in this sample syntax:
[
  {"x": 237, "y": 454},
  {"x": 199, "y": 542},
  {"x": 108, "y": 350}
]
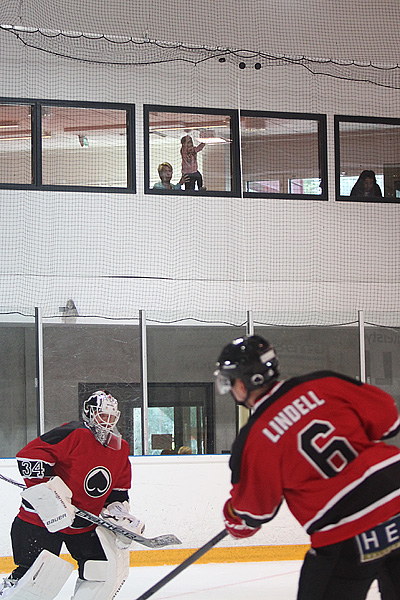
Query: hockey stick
[
  {"x": 156, "y": 542},
  {"x": 186, "y": 563}
]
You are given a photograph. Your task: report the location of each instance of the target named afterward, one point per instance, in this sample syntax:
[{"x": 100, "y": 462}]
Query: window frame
[
  {"x": 36, "y": 146},
  {"x": 234, "y": 154},
  {"x": 358, "y": 119},
  {"x": 322, "y": 153}
]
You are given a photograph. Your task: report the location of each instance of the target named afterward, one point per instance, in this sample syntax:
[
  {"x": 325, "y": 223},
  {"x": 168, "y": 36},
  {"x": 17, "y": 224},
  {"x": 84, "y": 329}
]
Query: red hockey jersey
[
  {"x": 96, "y": 475},
  {"x": 314, "y": 441}
]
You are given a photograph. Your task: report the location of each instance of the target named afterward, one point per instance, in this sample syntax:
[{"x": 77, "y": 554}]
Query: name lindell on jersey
[{"x": 292, "y": 413}]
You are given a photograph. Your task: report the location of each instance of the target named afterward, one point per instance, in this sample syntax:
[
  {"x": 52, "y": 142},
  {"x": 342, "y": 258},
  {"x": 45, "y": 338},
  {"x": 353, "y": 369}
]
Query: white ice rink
[{"x": 233, "y": 581}]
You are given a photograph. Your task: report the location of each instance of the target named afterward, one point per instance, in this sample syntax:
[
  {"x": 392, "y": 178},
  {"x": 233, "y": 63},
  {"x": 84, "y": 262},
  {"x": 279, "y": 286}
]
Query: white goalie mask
[{"x": 100, "y": 414}]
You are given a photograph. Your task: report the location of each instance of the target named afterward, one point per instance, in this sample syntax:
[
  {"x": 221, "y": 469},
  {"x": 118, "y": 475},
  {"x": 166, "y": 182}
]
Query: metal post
[
  {"x": 243, "y": 413},
  {"x": 250, "y": 323},
  {"x": 143, "y": 383},
  {"x": 361, "y": 335},
  {"x": 39, "y": 371}
]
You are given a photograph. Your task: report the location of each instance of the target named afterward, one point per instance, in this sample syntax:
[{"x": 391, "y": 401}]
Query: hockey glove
[
  {"x": 235, "y": 525},
  {"x": 52, "y": 502},
  {"x": 118, "y": 513}
]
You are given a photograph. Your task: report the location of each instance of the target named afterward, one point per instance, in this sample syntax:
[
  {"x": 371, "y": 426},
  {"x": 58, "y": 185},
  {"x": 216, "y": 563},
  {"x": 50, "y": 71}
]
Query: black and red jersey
[
  {"x": 315, "y": 442},
  {"x": 96, "y": 475}
]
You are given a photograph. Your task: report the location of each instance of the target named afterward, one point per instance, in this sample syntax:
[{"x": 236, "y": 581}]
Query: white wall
[{"x": 183, "y": 495}]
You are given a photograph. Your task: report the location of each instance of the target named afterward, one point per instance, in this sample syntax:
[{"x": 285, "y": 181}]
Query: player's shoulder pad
[
  {"x": 291, "y": 383},
  {"x": 58, "y": 434}
]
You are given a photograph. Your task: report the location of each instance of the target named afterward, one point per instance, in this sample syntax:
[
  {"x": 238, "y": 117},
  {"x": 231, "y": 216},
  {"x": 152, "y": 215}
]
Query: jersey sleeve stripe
[
  {"x": 254, "y": 520},
  {"x": 394, "y": 430},
  {"x": 362, "y": 496}
]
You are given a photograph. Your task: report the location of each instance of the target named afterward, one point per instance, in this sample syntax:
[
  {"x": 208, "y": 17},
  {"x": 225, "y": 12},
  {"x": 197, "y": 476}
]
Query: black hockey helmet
[{"x": 251, "y": 359}]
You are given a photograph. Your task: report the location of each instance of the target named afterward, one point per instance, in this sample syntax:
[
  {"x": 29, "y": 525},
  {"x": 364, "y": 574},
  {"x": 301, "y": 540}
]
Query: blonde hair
[
  {"x": 161, "y": 167},
  {"x": 184, "y": 450}
]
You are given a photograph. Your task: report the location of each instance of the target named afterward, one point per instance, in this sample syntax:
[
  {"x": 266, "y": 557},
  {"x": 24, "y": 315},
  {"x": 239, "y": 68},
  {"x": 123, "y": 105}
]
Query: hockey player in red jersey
[
  {"x": 84, "y": 465},
  {"x": 316, "y": 441}
]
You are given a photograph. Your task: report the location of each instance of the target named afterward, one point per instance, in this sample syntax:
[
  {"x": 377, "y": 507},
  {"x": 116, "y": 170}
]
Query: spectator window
[
  {"x": 68, "y": 146},
  {"x": 15, "y": 144},
  {"x": 283, "y": 155},
  {"x": 367, "y": 164},
  {"x": 213, "y": 142}
]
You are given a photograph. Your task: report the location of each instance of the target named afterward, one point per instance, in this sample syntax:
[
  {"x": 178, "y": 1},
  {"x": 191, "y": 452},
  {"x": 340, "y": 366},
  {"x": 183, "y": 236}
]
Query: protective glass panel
[
  {"x": 302, "y": 350},
  {"x": 368, "y": 160},
  {"x": 189, "y": 151},
  {"x": 382, "y": 362},
  {"x": 84, "y": 147},
  {"x": 282, "y": 155},
  {"x": 15, "y": 144},
  {"x": 18, "y": 423},
  {"x": 81, "y": 359}
]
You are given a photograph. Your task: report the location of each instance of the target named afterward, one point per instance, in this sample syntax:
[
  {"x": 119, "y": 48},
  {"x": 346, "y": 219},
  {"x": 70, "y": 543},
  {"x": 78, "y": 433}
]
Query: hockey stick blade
[
  {"x": 156, "y": 542},
  {"x": 190, "y": 560}
]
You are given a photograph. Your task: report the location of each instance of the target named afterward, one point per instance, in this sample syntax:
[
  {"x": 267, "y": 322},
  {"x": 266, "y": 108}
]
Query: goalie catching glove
[
  {"x": 235, "y": 525},
  {"x": 118, "y": 513}
]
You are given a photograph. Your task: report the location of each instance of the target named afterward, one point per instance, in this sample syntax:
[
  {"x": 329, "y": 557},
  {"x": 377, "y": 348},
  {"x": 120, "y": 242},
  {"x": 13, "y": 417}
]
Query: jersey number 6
[{"x": 327, "y": 453}]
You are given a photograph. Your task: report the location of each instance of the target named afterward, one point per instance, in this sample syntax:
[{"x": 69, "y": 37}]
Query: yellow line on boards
[{"x": 154, "y": 558}]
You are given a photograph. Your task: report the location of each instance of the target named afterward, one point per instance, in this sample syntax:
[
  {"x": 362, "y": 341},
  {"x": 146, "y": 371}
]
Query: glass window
[
  {"x": 367, "y": 154},
  {"x": 15, "y": 144},
  {"x": 18, "y": 387},
  {"x": 382, "y": 363},
  {"x": 283, "y": 154},
  {"x": 67, "y": 145},
  {"x": 86, "y": 147},
  {"x": 191, "y": 150}
]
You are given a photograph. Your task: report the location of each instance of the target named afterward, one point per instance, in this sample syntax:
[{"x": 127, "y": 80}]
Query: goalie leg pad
[
  {"x": 104, "y": 579},
  {"x": 44, "y": 579}
]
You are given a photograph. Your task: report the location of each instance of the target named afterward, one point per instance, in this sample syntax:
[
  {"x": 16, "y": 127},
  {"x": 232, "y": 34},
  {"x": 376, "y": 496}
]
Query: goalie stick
[
  {"x": 186, "y": 563},
  {"x": 156, "y": 542}
]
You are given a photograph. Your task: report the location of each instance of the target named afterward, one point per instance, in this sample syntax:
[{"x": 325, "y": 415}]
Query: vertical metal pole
[
  {"x": 361, "y": 335},
  {"x": 243, "y": 412},
  {"x": 143, "y": 383},
  {"x": 250, "y": 323},
  {"x": 39, "y": 371},
  {"x": 240, "y": 135}
]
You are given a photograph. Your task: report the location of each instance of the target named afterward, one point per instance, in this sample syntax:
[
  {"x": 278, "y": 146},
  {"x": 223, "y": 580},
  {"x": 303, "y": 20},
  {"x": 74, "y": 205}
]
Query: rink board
[{"x": 182, "y": 495}]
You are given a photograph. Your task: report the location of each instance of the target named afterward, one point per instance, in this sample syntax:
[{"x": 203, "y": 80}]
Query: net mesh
[{"x": 207, "y": 258}]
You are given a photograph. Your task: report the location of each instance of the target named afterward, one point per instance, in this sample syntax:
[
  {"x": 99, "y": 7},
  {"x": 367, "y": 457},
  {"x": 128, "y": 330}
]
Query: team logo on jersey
[{"x": 97, "y": 482}]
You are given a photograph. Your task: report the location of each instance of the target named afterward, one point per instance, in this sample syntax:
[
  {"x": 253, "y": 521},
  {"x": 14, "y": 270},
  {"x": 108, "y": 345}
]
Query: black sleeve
[{"x": 117, "y": 496}]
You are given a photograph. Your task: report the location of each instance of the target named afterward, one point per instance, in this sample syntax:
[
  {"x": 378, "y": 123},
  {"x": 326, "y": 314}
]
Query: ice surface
[{"x": 233, "y": 581}]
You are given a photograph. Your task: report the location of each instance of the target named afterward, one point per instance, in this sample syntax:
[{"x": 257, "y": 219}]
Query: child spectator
[
  {"x": 189, "y": 163},
  {"x": 165, "y": 172}
]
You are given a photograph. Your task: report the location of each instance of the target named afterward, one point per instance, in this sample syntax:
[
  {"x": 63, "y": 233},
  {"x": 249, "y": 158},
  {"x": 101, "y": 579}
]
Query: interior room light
[
  {"x": 209, "y": 137},
  {"x": 22, "y": 137},
  {"x": 9, "y": 124},
  {"x": 213, "y": 140}
]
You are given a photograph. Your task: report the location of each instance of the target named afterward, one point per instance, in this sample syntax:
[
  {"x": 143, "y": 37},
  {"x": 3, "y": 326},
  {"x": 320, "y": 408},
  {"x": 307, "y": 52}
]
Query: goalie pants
[
  {"x": 29, "y": 540},
  {"x": 335, "y": 572}
]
